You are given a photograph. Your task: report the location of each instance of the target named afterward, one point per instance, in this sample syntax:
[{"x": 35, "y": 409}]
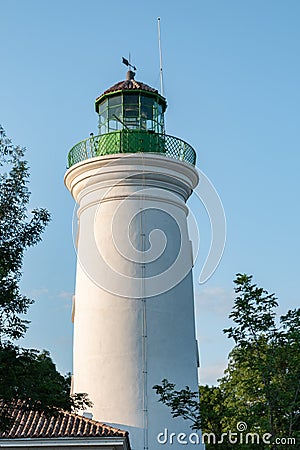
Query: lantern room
[
  {"x": 131, "y": 120},
  {"x": 131, "y": 105}
]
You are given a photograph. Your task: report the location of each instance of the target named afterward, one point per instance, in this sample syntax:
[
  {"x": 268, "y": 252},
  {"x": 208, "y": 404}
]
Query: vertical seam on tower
[{"x": 144, "y": 323}]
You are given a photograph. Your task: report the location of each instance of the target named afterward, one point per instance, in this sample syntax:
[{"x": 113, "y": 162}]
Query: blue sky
[{"x": 231, "y": 73}]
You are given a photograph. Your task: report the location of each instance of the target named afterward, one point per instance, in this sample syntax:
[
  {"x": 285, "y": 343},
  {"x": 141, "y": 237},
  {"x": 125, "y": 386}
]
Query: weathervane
[{"x": 127, "y": 63}]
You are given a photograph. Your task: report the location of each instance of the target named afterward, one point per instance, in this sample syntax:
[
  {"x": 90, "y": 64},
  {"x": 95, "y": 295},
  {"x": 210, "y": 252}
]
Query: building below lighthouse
[{"x": 133, "y": 307}]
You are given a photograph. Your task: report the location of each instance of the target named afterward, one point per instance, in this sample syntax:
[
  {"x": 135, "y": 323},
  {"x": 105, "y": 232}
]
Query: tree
[
  {"x": 261, "y": 385},
  {"x": 29, "y": 381},
  {"x": 264, "y": 366},
  {"x": 17, "y": 233},
  {"x": 28, "y": 378},
  {"x": 212, "y": 410},
  {"x": 183, "y": 403}
]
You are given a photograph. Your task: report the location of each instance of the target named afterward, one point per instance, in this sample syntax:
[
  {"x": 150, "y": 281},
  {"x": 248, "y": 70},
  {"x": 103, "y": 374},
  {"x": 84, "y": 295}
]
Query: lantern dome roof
[{"x": 130, "y": 84}]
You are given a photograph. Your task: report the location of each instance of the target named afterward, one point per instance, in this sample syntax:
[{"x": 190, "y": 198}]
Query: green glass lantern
[
  {"x": 131, "y": 120},
  {"x": 134, "y": 112}
]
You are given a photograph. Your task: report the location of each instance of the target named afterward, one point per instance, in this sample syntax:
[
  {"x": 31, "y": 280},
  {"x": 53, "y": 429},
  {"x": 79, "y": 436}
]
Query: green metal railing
[{"x": 132, "y": 141}]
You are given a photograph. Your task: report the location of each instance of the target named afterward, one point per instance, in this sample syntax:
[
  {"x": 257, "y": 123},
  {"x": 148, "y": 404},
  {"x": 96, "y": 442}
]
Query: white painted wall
[{"x": 134, "y": 305}]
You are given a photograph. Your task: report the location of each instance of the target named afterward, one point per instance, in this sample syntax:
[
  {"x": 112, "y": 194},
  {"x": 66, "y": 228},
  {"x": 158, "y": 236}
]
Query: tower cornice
[{"x": 153, "y": 170}]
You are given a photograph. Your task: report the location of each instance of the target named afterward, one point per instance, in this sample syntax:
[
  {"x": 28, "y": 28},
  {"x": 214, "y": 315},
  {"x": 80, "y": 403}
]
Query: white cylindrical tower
[{"x": 133, "y": 306}]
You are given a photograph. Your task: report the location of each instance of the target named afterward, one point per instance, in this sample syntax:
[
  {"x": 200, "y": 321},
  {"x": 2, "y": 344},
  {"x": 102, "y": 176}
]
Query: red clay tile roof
[
  {"x": 33, "y": 424},
  {"x": 130, "y": 84}
]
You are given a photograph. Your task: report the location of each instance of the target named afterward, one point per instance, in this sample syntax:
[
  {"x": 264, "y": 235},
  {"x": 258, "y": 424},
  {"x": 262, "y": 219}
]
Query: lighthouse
[{"x": 133, "y": 308}]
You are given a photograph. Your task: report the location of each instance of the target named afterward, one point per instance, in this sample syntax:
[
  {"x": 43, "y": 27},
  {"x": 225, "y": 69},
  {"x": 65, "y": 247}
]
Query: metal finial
[{"x": 130, "y": 75}]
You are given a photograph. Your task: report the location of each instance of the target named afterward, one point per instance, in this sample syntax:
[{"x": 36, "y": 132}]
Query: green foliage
[
  {"x": 253, "y": 313},
  {"x": 183, "y": 403},
  {"x": 17, "y": 233},
  {"x": 263, "y": 374},
  {"x": 212, "y": 410},
  {"x": 261, "y": 385},
  {"x": 29, "y": 380}
]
